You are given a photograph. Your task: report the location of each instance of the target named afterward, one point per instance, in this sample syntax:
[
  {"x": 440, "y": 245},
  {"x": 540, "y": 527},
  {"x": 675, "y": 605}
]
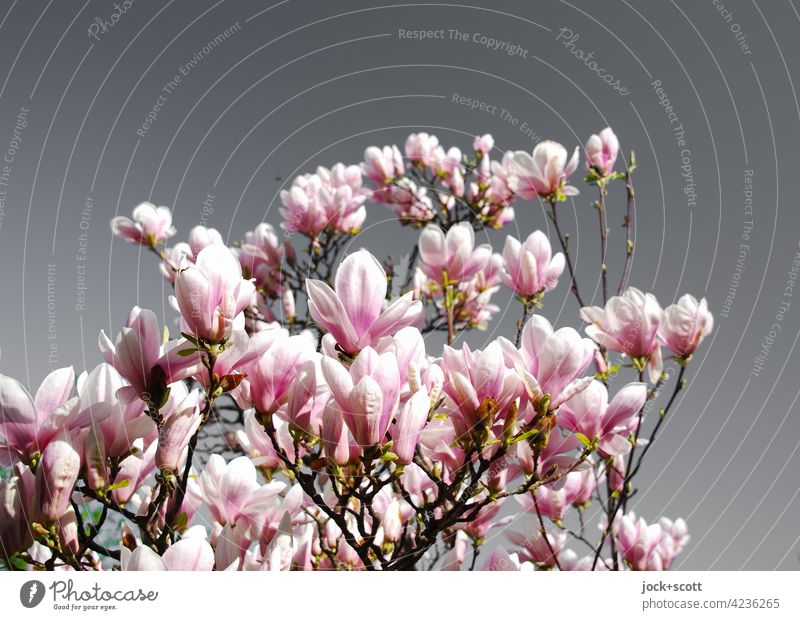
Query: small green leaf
[
  {"x": 118, "y": 485},
  {"x": 181, "y": 521},
  {"x": 525, "y": 435},
  {"x": 190, "y": 338},
  {"x": 187, "y": 352},
  {"x": 583, "y": 439}
]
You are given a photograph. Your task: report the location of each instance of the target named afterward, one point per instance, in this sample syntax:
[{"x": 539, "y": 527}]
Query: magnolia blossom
[
  {"x": 685, "y": 325},
  {"x": 327, "y": 199},
  {"x": 550, "y": 361},
  {"x": 591, "y": 414},
  {"x": 422, "y": 148},
  {"x": 262, "y": 257},
  {"x": 601, "y": 152},
  {"x": 629, "y": 324},
  {"x": 383, "y": 165},
  {"x": 453, "y": 253},
  {"x": 367, "y": 395},
  {"x": 116, "y": 423},
  {"x": 353, "y": 312},
  {"x": 639, "y": 542},
  {"x": 537, "y": 547},
  {"x": 544, "y": 173},
  {"x": 56, "y": 476},
  {"x": 18, "y": 504},
  {"x": 190, "y": 553},
  {"x": 150, "y": 226},
  {"x": 372, "y": 447},
  {"x": 480, "y": 385},
  {"x": 228, "y": 489},
  {"x": 211, "y": 293},
  {"x": 409, "y": 424},
  {"x": 27, "y": 425},
  {"x": 483, "y": 144},
  {"x": 177, "y": 431},
  {"x": 138, "y": 355},
  {"x": 530, "y": 268}
]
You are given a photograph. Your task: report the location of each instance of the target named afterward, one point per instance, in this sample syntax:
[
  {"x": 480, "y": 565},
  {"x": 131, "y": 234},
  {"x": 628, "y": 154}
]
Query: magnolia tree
[{"x": 358, "y": 446}]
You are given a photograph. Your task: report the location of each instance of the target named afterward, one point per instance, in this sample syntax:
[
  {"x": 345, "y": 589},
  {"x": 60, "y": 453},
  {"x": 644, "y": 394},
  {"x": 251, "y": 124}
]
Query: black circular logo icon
[{"x": 31, "y": 593}]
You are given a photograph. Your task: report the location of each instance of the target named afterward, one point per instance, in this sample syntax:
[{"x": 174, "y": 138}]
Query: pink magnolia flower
[
  {"x": 56, "y": 476},
  {"x": 685, "y": 325},
  {"x": 262, "y": 257},
  {"x": 591, "y": 414},
  {"x": 150, "y": 226},
  {"x": 137, "y": 351},
  {"x": 530, "y": 267},
  {"x": 544, "y": 173},
  {"x": 383, "y": 165},
  {"x": 344, "y": 197},
  {"x": 534, "y": 547},
  {"x": 211, "y": 293},
  {"x": 257, "y": 444},
  {"x": 616, "y": 473},
  {"x": 280, "y": 363},
  {"x": 27, "y": 425},
  {"x": 177, "y": 431},
  {"x": 409, "y": 423},
  {"x": 601, "y": 152},
  {"x": 482, "y": 145},
  {"x": 472, "y": 377},
  {"x": 136, "y": 469},
  {"x": 455, "y": 557},
  {"x": 422, "y": 148},
  {"x": 191, "y": 553},
  {"x": 200, "y": 237},
  {"x": 328, "y": 199},
  {"x": 367, "y": 395},
  {"x": 569, "y": 561},
  {"x": 550, "y": 361},
  {"x": 18, "y": 507},
  {"x": 337, "y": 443},
  {"x": 392, "y": 521},
  {"x": 353, "y": 312},
  {"x": 117, "y": 423},
  {"x": 229, "y": 488},
  {"x": 552, "y": 501},
  {"x": 454, "y": 253},
  {"x": 674, "y": 536},
  {"x": 501, "y": 560},
  {"x": 629, "y": 324},
  {"x": 638, "y": 542},
  {"x": 143, "y": 558},
  {"x": 410, "y": 203}
]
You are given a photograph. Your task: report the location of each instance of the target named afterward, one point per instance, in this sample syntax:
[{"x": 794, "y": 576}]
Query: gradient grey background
[{"x": 306, "y": 83}]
